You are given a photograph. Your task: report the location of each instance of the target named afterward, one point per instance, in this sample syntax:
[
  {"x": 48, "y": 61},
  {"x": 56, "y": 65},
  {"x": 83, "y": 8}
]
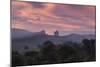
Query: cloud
[{"x": 36, "y": 16}]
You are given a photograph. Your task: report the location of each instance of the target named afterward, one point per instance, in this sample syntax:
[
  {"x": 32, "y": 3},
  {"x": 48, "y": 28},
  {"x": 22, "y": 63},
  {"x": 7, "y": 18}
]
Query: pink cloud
[{"x": 52, "y": 17}]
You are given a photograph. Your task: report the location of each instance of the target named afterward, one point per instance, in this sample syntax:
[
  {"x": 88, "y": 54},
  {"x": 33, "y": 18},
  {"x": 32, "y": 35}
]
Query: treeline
[{"x": 50, "y": 53}]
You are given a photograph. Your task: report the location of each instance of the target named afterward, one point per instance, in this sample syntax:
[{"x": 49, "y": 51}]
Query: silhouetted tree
[
  {"x": 89, "y": 47},
  {"x": 32, "y": 57},
  {"x": 31, "y": 53},
  {"x": 93, "y": 49},
  {"x": 86, "y": 44},
  {"x": 17, "y": 59},
  {"x": 48, "y": 52},
  {"x": 65, "y": 53},
  {"x": 26, "y": 47}
]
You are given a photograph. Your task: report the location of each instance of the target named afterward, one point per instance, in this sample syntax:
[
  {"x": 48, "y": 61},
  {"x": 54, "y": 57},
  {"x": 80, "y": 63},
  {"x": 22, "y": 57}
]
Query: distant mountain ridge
[
  {"x": 42, "y": 36},
  {"x": 21, "y": 33},
  {"x": 22, "y": 38}
]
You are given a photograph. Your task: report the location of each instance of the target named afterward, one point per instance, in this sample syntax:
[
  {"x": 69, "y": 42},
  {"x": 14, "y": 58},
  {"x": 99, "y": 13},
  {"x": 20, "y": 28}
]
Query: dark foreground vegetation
[{"x": 50, "y": 53}]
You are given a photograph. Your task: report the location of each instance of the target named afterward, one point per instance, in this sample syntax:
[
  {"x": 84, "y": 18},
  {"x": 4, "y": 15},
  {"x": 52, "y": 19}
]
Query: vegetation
[{"x": 50, "y": 53}]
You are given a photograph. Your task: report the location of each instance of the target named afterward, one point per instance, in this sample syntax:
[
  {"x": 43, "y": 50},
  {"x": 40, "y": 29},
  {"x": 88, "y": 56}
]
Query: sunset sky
[{"x": 66, "y": 18}]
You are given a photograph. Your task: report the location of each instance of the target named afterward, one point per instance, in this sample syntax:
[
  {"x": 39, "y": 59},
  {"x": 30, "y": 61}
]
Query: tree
[
  {"x": 48, "y": 52},
  {"x": 90, "y": 48},
  {"x": 32, "y": 57},
  {"x": 86, "y": 45},
  {"x": 17, "y": 59},
  {"x": 93, "y": 49},
  {"x": 26, "y": 47},
  {"x": 31, "y": 53},
  {"x": 65, "y": 53}
]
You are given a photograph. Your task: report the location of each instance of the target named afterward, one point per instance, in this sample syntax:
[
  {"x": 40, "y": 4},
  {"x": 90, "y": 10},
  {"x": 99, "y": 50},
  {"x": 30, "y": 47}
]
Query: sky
[{"x": 65, "y": 18}]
